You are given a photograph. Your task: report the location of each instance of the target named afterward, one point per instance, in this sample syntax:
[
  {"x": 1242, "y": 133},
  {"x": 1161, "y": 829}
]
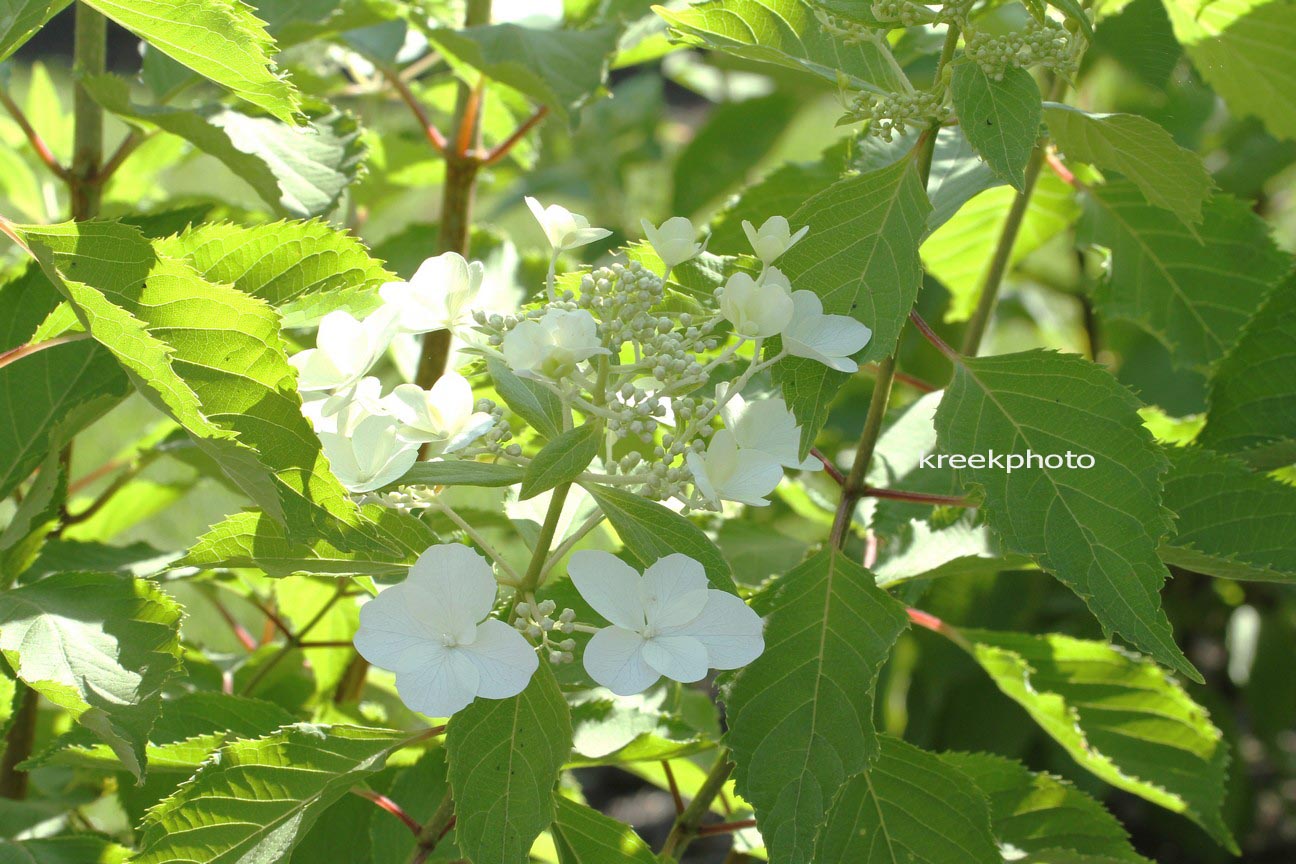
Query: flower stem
[
  {"x": 535, "y": 570},
  {"x": 688, "y": 823}
]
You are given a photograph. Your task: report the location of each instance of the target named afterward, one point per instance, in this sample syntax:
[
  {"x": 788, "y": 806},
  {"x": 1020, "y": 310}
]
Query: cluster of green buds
[
  {"x": 1008, "y": 36},
  {"x": 889, "y": 114},
  {"x": 536, "y": 621}
]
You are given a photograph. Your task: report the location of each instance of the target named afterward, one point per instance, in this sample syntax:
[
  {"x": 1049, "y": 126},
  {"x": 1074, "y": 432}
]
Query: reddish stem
[
  {"x": 870, "y": 549},
  {"x": 15, "y": 354},
  {"x": 273, "y": 618},
  {"x": 468, "y": 123},
  {"x": 925, "y": 329},
  {"x": 725, "y": 827},
  {"x": 325, "y": 643},
  {"x": 674, "y": 787},
  {"x": 829, "y": 468},
  {"x": 240, "y": 632},
  {"x": 500, "y": 150},
  {"x": 916, "y": 383},
  {"x": 38, "y": 144},
  {"x": 123, "y": 151},
  {"x": 391, "y": 807},
  {"x": 434, "y": 136},
  {"x": 915, "y": 497},
  {"x": 1061, "y": 170}
]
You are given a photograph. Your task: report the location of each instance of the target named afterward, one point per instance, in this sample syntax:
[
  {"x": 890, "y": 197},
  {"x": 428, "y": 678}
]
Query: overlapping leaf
[
  {"x": 79, "y": 849},
  {"x": 208, "y": 355},
  {"x": 505, "y": 757},
  {"x": 1000, "y": 117},
  {"x": 861, "y": 257},
  {"x": 1194, "y": 295},
  {"x": 583, "y": 835},
  {"x": 801, "y": 715},
  {"x": 296, "y": 774},
  {"x": 1252, "y": 398},
  {"x": 910, "y": 806},
  {"x": 20, "y": 19},
  {"x": 99, "y": 646},
  {"x": 1168, "y": 175},
  {"x": 1230, "y": 522},
  {"x": 1096, "y": 529},
  {"x": 221, "y": 40},
  {"x": 1118, "y": 715}
]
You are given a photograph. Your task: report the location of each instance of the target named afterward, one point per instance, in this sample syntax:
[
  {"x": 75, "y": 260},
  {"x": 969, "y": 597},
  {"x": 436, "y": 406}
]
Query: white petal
[
  {"x": 729, "y": 629},
  {"x": 525, "y": 346},
  {"x": 672, "y": 591},
  {"x": 390, "y": 636},
  {"x": 608, "y": 584},
  {"x": 755, "y": 475},
  {"x": 394, "y": 469},
  {"x": 505, "y": 661},
  {"x": 678, "y": 657},
  {"x": 440, "y": 687},
  {"x": 840, "y": 335},
  {"x": 458, "y": 586},
  {"x": 614, "y": 658}
]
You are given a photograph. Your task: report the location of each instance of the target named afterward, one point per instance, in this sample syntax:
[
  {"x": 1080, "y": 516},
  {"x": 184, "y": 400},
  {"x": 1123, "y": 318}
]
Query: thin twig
[
  {"x": 128, "y": 146},
  {"x": 38, "y": 144},
  {"x": 502, "y": 149},
  {"x": 391, "y": 807},
  {"x": 15, "y": 354},
  {"x": 914, "y": 497},
  {"x": 688, "y": 823},
  {"x": 468, "y": 123},
  {"x": 725, "y": 827},
  {"x": 434, "y": 136},
  {"x": 930, "y": 335},
  {"x": 240, "y": 632},
  {"x": 674, "y": 786},
  {"x": 829, "y": 468}
]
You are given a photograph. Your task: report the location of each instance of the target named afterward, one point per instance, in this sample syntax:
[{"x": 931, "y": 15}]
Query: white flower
[
  {"x": 772, "y": 239},
  {"x": 765, "y": 425},
  {"x": 553, "y": 345},
  {"x": 434, "y": 632},
  {"x": 438, "y": 296},
  {"x": 665, "y": 622},
  {"x": 830, "y": 339},
  {"x": 674, "y": 241},
  {"x": 730, "y": 473},
  {"x": 370, "y": 456},
  {"x": 345, "y": 350},
  {"x": 757, "y": 308},
  {"x": 442, "y": 416},
  {"x": 565, "y": 229}
]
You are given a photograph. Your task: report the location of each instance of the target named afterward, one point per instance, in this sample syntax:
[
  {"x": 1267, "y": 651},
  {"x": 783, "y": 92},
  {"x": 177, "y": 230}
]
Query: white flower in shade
[
  {"x": 757, "y": 308},
  {"x": 345, "y": 350},
  {"x": 372, "y": 455},
  {"x": 830, "y": 339},
  {"x": 434, "y": 632},
  {"x": 552, "y": 346},
  {"x": 765, "y": 425},
  {"x": 442, "y": 417},
  {"x": 728, "y": 472},
  {"x": 674, "y": 241},
  {"x": 565, "y": 229},
  {"x": 772, "y": 239},
  {"x": 439, "y": 295},
  {"x": 665, "y": 622}
]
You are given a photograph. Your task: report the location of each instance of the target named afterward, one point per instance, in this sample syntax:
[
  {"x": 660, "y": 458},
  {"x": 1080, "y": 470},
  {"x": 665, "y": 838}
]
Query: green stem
[
  {"x": 531, "y": 579},
  {"x": 433, "y": 830},
  {"x": 90, "y": 58},
  {"x": 685, "y": 829},
  {"x": 18, "y": 745}
]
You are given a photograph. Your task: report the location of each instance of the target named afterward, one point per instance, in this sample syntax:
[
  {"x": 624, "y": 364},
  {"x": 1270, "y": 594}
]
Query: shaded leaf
[
  {"x": 530, "y": 400},
  {"x": 562, "y": 460},
  {"x": 80, "y": 849},
  {"x": 1000, "y": 117},
  {"x": 19, "y": 21},
  {"x": 583, "y": 835}
]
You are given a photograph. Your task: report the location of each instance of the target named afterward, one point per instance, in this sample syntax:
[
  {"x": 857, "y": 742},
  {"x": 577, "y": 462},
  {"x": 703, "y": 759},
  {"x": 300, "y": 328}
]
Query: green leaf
[
  {"x": 385, "y": 544},
  {"x": 221, "y": 40},
  {"x": 1000, "y": 117},
  {"x": 1118, "y": 715},
  {"x": 1194, "y": 295},
  {"x": 461, "y": 472},
  {"x": 20, "y": 19},
  {"x": 1243, "y": 50},
  {"x": 1043, "y": 816},
  {"x": 530, "y": 400},
  {"x": 209, "y": 356},
  {"x": 861, "y": 257},
  {"x": 562, "y": 460},
  {"x": 280, "y": 262},
  {"x": 299, "y": 170},
  {"x": 1251, "y": 403},
  {"x": 616, "y": 730},
  {"x": 956, "y": 252},
  {"x": 257, "y": 798},
  {"x": 1230, "y": 522},
  {"x": 558, "y": 68},
  {"x": 505, "y": 758},
  {"x": 80, "y": 849},
  {"x": 582, "y": 835},
  {"x": 789, "y": 33},
  {"x": 188, "y": 729},
  {"x": 25, "y": 302},
  {"x": 910, "y": 806},
  {"x": 1168, "y": 175},
  {"x": 801, "y": 715},
  {"x": 651, "y": 531},
  {"x": 33, "y": 520},
  {"x": 1095, "y": 529},
  {"x": 47, "y": 398},
  {"x": 99, "y": 646}
]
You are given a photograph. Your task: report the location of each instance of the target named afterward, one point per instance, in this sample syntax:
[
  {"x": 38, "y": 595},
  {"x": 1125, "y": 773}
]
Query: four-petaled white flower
[
  {"x": 765, "y": 425},
  {"x": 829, "y": 339},
  {"x": 434, "y": 631},
  {"x": 442, "y": 417},
  {"x": 728, "y": 472},
  {"x": 552, "y": 346},
  {"x": 757, "y": 308},
  {"x": 438, "y": 297},
  {"x": 346, "y": 350},
  {"x": 371, "y": 455},
  {"x": 772, "y": 239},
  {"x": 674, "y": 241},
  {"x": 665, "y": 622},
  {"x": 564, "y": 229}
]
